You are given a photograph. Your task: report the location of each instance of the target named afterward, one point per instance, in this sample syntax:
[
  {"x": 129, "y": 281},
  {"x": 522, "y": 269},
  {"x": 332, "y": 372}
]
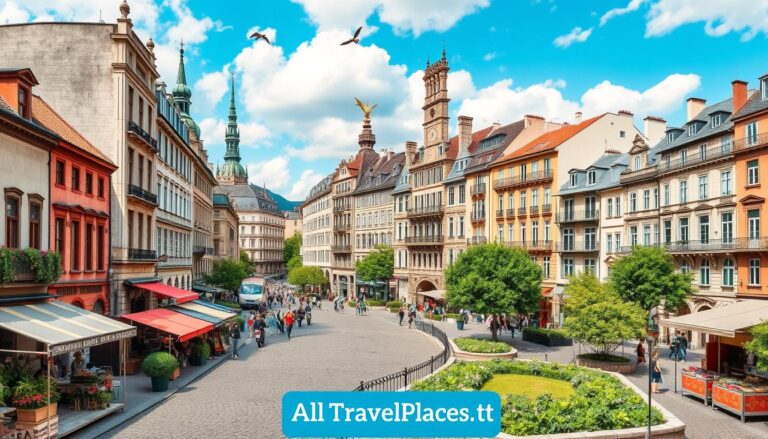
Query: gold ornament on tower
[{"x": 367, "y": 109}]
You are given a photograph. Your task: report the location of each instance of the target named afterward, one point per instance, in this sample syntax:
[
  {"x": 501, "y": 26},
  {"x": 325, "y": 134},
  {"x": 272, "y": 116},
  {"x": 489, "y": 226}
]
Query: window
[
  {"x": 547, "y": 196},
  {"x": 546, "y": 231},
  {"x": 462, "y": 193},
  {"x": 666, "y": 194},
  {"x": 632, "y": 202},
  {"x": 670, "y": 137},
  {"x": 60, "y": 173},
  {"x": 567, "y": 267},
  {"x": 753, "y": 222},
  {"x": 751, "y": 133},
  {"x": 12, "y": 221},
  {"x": 646, "y": 199},
  {"x": 617, "y": 203},
  {"x": 451, "y": 198},
  {"x": 89, "y": 183},
  {"x": 547, "y": 168},
  {"x": 637, "y": 163},
  {"x": 609, "y": 208},
  {"x": 704, "y": 229},
  {"x": 764, "y": 88},
  {"x": 655, "y": 198},
  {"x": 75, "y": 179},
  {"x": 646, "y": 235},
  {"x": 141, "y": 112},
  {"x": 703, "y": 152},
  {"x": 691, "y": 129},
  {"x": 574, "y": 180},
  {"x": 89, "y": 247},
  {"x": 726, "y": 227},
  {"x": 35, "y": 209},
  {"x": 752, "y": 172},
  {"x": 683, "y": 192},
  {"x": 754, "y": 271},
  {"x": 667, "y": 232},
  {"x": 704, "y": 272},
  {"x": 568, "y": 242},
  {"x": 591, "y": 178},
  {"x": 728, "y": 273},
  {"x": 547, "y": 264},
  {"x": 703, "y": 183},
  {"x": 726, "y": 183},
  {"x": 725, "y": 144},
  {"x": 609, "y": 243},
  {"x": 100, "y": 188},
  {"x": 715, "y": 120},
  {"x": 75, "y": 246},
  {"x": 633, "y": 236},
  {"x": 622, "y": 134},
  {"x": 683, "y": 157},
  {"x": 589, "y": 264},
  {"x": 59, "y": 236},
  {"x": 683, "y": 230}
]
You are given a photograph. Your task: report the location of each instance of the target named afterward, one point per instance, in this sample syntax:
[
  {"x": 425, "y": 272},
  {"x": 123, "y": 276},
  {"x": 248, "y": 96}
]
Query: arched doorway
[{"x": 423, "y": 289}]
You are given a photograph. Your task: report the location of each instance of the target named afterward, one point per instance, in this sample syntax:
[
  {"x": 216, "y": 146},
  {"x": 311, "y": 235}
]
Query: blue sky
[{"x": 507, "y": 58}]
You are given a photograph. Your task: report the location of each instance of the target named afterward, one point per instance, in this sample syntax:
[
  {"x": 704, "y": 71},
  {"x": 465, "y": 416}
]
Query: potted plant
[
  {"x": 200, "y": 353},
  {"x": 33, "y": 402},
  {"x": 159, "y": 366}
]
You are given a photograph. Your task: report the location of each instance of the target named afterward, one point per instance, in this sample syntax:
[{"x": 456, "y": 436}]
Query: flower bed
[
  {"x": 547, "y": 337},
  {"x": 479, "y": 345},
  {"x": 601, "y": 401},
  {"x": 610, "y": 363}
]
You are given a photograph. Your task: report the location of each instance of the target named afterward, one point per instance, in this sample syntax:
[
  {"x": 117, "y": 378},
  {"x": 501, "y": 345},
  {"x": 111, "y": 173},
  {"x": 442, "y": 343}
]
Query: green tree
[
  {"x": 295, "y": 262},
  {"x": 227, "y": 274},
  {"x": 377, "y": 266},
  {"x": 597, "y": 317},
  {"x": 647, "y": 277},
  {"x": 306, "y": 275},
  {"x": 492, "y": 278},
  {"x": 759, "y": 345},
  {"x": 292, "y": 247},
  {"x": 246, "y": 262}
]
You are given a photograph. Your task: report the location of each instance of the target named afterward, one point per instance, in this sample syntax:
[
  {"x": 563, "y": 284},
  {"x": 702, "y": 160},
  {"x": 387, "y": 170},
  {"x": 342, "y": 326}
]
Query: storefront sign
[{"x": 92, "y": 341}]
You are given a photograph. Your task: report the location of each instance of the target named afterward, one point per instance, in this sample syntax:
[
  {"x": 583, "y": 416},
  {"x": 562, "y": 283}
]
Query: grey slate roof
[
  {"x": 705, "y": 129},
  {"x": 322, "y": 186},
  {"x": 608, "y": 169},
  {"x": 754, "y": 104},
  {"x": 220, "y": 200},
  {"x": 383, "y": 174},
  {"x": 248, "y": 197},
  {"x": 482, "y": 154}
]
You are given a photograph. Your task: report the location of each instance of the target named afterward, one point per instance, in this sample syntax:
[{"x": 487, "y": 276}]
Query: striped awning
[
  {"x": 61, "y": 326},
  {"x": 167, "y": 320},
  {"x": 203, "y": 311}
]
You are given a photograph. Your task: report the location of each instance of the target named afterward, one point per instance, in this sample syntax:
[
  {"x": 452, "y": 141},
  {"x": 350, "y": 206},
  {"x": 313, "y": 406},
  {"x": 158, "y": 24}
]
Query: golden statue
[{"x": 367, "y": 109}]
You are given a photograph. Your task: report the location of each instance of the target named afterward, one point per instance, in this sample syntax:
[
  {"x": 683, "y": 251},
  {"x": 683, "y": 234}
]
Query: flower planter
[
  {"x": 159, "y": 384},
  {"x": 697, "y": 386},
  {"x": 35, "y": 416},
  {"x": 479, "y": 356},
  {"x": 608, "y": 366},
  {"x": 739, "y": 402}
]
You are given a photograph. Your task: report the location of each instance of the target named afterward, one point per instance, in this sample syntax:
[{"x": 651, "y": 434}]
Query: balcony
[
  {"x": 173, "y": 261},
  {"x": 578, "y": 246},
  {"x": 142, "y": 194},
  {"x": 342, "y": 227},
  {"x": 534, "y": 210},
  {"x": 341, "y": 208},
  {"x": 715, "y": 245},
  {"x": 23, "y": 270},
  {"x": 477, "y": 190},
  {"x": 477, "y": 240},
  {"x": 478, "y": 215},
  {"x": 573, "y": 216},
  {"x": 546, "y": 209},
  {"x": 424, "y": 240},
  {"x": 139, "y": 254},
  {"x": 532, "y": 246},
  {"x": 523, "y": 180},
  {"x": 427, "y": 211},
  {"x": 137, "y": 132},
  {"x": 748, "y": 143},
  {"x": 170, "y": 217},
  {"x": 341, "y": 248},
  {"x": 343, "y": 264},
  {"x": 500, "y": 214},
  {"x": 710, "y": 155},
  {"x": 521, "y": 212},
  {"x": 642, "y": 174},
  {"x": 511, "y": 213}
]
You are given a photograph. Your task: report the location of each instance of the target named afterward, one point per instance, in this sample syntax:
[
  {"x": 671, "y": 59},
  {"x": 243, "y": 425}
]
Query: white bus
[{"x": 251, "y": 292}]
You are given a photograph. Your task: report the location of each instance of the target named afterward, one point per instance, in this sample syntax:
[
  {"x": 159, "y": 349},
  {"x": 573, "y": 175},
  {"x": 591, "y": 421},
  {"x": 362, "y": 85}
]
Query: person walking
[
  {"x": 674, "y": 346},
  {"x": 411, "y": 316},
  {"x": 655, "y": 372},
  {"x": 401, "y": 314},
  {"x": 288, "y": 319},
  {"x": 640, "y": 353},
  {"x": 250, "y": 321},
  {"x": 235, "y": 336},
  {"x": 683, "y": 349},
  {"x": 280, "y": 324}
]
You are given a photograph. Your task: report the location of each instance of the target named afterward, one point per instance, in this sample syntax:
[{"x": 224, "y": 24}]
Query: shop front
[
  {"x": 55, "y": 387},
  {"x": 727, "y": 376},
  {"x": 372, "y": 290}
]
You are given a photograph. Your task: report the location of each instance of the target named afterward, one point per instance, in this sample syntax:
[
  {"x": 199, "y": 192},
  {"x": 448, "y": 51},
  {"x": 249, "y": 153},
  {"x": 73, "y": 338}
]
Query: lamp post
[{"x": 650, "y": 372}]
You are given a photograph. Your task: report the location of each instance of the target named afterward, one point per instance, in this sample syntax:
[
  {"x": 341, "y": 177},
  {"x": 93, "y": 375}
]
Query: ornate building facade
[{"x": 317, "y": 225}]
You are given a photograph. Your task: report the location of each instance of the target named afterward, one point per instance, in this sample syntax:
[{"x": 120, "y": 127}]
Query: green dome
[
  {"x": 232, "y": 170},
  {"x": 191, "y": 124},
  {"x": 182, "y": 90}
]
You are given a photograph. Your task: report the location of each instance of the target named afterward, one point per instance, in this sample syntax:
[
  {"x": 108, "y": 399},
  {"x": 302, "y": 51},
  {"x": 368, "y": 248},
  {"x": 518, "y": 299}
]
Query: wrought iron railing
[
  {"x": 532, "y": 177},
  {"x": 570, "y": 216},
  {"x": 404, "y": 378},
  {"x": 140, "y": 254},
  {"x": 477, "y": 189},
  {"x": 426, "y": 211},
  {"x": 134, "y": 128},
  {"x": 142, "y": 193},
  {"x": 341, "y": 248},
  {"x": 432, "y": 239},
  {"x": 578, "y": 246},
  {"x": 478, "y": 215},
  {"x": 475, "y": 240}
]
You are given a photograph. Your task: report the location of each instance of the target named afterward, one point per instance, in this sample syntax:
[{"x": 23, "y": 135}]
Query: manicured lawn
[{"x": 529, "y": 386}]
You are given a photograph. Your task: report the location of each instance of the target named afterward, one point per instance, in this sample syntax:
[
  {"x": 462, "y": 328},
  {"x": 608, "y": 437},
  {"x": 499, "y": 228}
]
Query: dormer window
[
  {"x": 715, "y": 120},
  {"x": 23, "y": 103},
  {"x": 637, "y": 163},
  {"x": 591, "y": 178},
  {"x": 574, "y": 180},
  {"x": 670, "y": 138},
  {"x": 691, "y": 129},
  {"x": 764, "y": 87}
]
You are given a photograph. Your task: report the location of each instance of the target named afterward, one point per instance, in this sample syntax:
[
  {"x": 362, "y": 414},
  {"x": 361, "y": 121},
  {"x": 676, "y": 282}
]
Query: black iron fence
[{"x": 398, "y": 380}]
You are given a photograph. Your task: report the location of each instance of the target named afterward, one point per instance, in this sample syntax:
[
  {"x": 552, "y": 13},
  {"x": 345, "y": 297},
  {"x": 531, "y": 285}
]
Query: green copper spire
[
  {"x": 232, "y": 171},
  {"x": 182, "y": 94}
]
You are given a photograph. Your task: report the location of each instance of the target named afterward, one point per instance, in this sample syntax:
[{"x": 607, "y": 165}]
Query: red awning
[
  {"x": 161, "y": 289},
  {"x": 165, "y": 320},
  {"x": 546, "y": 292}
]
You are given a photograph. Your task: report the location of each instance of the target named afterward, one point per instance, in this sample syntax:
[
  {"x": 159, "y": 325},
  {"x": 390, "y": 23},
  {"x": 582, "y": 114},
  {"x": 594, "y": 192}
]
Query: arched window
[
  {"x": 728, "y": 272},
  {"x": 704, "y": 272}
]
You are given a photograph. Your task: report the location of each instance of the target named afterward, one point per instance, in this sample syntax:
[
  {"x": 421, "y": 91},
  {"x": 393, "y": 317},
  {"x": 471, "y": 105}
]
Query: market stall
[
  {"x": 742, "y": 397},
  {"x": 40, "y": 334},
  {"x": 698, "y": 382}
]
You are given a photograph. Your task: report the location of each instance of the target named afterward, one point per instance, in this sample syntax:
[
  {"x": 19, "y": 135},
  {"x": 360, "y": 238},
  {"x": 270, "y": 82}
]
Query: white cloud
[
  {"x": 274, "y": 173},
  {"x": 632, "y": 6},
  {"x": 577, "y": 35},
  {"x": 748, "y": 17},
  {"x": 213, "y": 86},
  {"x": 144, "y": 13},
  {"x": 489, "y": 56},
  {"x": 306, "y": 181},
  {"x": 12, "y": 13},
  {"x": 252, "y": 134},
  {"x": 662, "y": 98},
  {"x": 403, "y": 15}
]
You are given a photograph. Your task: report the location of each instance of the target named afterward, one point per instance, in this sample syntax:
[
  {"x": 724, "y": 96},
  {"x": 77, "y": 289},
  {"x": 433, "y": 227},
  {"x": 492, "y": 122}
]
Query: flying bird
[
  {"x": 354, "y": 38},
  {"x": 260, "y": 36}
]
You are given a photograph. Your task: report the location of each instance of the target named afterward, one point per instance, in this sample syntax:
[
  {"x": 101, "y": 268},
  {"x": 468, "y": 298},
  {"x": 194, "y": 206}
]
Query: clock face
[{"x": 432, "y": 134}]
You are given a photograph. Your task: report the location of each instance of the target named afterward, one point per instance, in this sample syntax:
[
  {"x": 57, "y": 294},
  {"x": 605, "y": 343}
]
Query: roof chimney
[
  {"x": 532, "y": 119},
  {"x": 410, "y": 152},
  {"x": 654, "y": 129},
  {"x": 465, "y": 134},
  {"x": 695, "y": 106},
  {"x": 577, "y": 117},
  {"x": 626, "y": 113},
  {"x": 739, "y": 94}
]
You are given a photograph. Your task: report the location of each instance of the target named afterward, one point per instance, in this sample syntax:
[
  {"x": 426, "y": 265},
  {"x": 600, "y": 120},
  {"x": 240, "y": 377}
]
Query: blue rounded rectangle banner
[{"x": 391, "y": 414}]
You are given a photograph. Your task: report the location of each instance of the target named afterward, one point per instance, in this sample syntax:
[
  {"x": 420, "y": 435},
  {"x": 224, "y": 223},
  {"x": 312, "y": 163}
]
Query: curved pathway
[{"x": 242, "y": 398}]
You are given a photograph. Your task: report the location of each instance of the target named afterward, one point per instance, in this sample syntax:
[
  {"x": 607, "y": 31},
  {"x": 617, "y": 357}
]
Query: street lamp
[{"x": 650, "y": 340}]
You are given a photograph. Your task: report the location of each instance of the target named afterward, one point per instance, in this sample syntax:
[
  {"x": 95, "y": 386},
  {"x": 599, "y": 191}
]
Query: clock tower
[{"x": 436, "y": 102}]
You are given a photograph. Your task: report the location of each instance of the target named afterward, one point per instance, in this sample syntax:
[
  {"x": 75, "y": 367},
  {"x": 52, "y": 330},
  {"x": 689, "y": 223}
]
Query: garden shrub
[
  {"x": 393, "y": 303},
  {"x": 375, "y": 302},
  {"x": 482, "y": 346},
  {"x": 159, "y": 364},
  {"x": 601, "y": 401}
]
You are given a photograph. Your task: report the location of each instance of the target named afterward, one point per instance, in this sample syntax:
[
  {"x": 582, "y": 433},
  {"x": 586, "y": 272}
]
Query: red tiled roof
[
  {"x": 4, "y": 105},
  {"x": 477, "y": 136},
  {"x": 549, "y": 141},
  {"x": 46, "y": 116}
]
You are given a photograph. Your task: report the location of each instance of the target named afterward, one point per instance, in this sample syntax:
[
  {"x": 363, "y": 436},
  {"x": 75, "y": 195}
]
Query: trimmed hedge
[
  {"x": 547, "y": 337},
  {"x": 376, "y": 302},
  {"x": 396, "y": 303},
  {"x": 394, "y": 309},
  {"x": 481, "y": 346},
  {"x": 454, "y": 316},
  {"x": 601, "y": 401},
  {"x": 607, "y": 358}
]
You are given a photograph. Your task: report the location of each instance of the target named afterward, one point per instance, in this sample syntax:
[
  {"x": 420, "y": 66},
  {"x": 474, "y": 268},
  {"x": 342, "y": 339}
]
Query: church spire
[
  {"x": 232, "y": 137},
  {"x": 182, "y": 95}
]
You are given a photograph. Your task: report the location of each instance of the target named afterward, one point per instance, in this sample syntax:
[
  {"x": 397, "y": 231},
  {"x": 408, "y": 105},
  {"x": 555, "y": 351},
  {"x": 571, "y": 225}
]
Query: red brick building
[{"x": 79, "y": 212}]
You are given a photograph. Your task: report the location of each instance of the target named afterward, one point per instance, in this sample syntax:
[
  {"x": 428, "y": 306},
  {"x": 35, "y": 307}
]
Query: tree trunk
[{"x": 494, "y": 333}]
